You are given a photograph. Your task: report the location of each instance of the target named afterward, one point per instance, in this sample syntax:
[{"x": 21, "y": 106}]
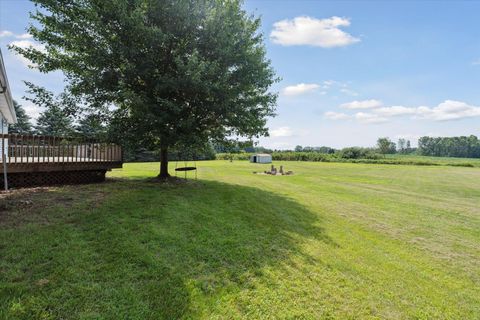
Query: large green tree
[
  {"x": 181, "y": 72},
  {"x": 450, "y": 146},
  {"x": 55, "y": 119},
  {"x": 54, "y": 122},
  {"x": 23, "y": 125},
  {"x": 91, "y": 126},
  {"x": 385, "y": 146}
]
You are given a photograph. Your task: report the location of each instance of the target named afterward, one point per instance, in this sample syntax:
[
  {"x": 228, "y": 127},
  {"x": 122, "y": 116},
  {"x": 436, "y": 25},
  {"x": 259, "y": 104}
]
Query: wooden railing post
[
  {"x": 4, "y": 162},
  {"x": 21, "y": 150}
]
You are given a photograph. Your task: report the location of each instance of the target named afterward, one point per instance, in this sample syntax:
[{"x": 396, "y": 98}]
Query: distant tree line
[
  {"x": 323, "y": 149},
  {"x": 404, "y": 146},
  {"x": 465, "y": 147},
  {"x": 462, "y": 147}
]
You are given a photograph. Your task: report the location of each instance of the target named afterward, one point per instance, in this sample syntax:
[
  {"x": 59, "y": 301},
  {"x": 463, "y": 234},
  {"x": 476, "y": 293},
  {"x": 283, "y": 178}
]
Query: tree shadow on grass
[{"x": 148, "y": 250}]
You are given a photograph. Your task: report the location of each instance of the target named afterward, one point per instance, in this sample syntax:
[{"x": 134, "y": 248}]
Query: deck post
[{"x": 4, "y": 160}]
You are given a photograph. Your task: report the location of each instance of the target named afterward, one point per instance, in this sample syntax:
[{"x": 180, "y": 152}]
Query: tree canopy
[
  {"x": 91, "y": 126},
  {"x": 385, "y": 146},
  {"x": 464, "y": 147},
  {"x": 54, "y": 120},
  {"x": 23, "y": 125},
  {"x": 180, "y": 72}
]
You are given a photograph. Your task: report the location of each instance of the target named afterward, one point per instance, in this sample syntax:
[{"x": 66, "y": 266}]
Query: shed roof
[{"x": 262, "y": 154}]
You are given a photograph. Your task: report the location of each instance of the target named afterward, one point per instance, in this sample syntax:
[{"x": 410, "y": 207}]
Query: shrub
[
  {"x": 358, "y": 153},
  {"x": 233, "y": 156}
]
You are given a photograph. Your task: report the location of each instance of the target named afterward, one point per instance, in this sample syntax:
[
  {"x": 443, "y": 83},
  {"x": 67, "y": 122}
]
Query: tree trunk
[{"x": 164, "y": 163}]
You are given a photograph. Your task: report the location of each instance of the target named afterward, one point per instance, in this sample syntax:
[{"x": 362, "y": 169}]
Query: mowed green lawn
[{"x": 334, "y": 241}]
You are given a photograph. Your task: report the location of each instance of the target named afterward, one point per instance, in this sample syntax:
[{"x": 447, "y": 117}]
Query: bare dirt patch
[{"x": 21, "y": 206}]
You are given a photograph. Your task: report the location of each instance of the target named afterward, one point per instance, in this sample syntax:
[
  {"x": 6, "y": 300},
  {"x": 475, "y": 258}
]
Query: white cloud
[
  {"x": 329, "y": 83},
  {"x": 31, "y": 109},
  {"x": 24, "y": 36},
  {"x": 341, "y": 87},
  {"x": 448, "y": 110},
  {"x": 395, "y": 111},
  {"x": 369, "y": 118},
  {"x": 336, "y": 115},
  {"x": 325, "y": 33},
  {"x": 349, "y": 92},
  {"x": 6, "y": 33},
  {"x": 281, "y": 132},
  {"x": 445, "y": 111},
  {"x": 26, "y": 44},
  {"x": 364, "y": 104},
  {"x": 362, "y": 117},
  {"x": 322, "y": 88},
  {"x": 476, "y": 62},
  {"x": 300, "y": 88},
  {"x": 10, "y": 34}
]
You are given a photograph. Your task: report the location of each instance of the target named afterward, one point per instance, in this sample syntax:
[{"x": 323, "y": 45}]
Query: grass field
[
  {"x": 334, "y": 241},
  {"x": 445, "y": 161}
]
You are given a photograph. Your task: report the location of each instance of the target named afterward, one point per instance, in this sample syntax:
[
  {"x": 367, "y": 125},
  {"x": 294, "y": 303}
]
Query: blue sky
[{"x": 351, "y": 71}]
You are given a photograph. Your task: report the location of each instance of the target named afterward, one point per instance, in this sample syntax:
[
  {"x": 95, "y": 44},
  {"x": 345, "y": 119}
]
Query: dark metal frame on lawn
[{"x": 186, "y": 168}]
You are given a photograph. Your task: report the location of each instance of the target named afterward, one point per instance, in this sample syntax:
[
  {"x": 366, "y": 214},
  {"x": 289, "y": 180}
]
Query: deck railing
[{"x": 17, "y": 148}]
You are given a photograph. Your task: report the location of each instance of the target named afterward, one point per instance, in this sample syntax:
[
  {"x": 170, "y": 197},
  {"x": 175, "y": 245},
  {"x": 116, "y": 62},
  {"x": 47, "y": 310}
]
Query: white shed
[{"x": 261, "y": 158}]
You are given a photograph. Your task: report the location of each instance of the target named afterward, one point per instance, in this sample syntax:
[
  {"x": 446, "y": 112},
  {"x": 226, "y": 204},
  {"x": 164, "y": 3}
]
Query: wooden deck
[{"x": 24, "y": 153}]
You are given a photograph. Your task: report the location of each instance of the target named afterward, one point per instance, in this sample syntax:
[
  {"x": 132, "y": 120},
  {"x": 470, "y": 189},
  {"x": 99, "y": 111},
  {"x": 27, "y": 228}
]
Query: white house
[
  {"x": 7, "y": 111},
  {"x": 261, "y": 158}
]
